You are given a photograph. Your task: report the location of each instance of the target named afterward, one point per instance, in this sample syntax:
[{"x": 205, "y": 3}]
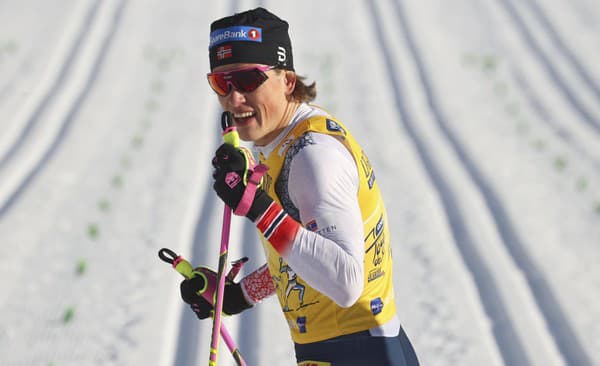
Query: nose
[{"x": 235, "y": 98}]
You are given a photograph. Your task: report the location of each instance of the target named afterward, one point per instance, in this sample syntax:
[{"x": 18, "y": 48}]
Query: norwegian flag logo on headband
[{"x": 224, "y": 52}]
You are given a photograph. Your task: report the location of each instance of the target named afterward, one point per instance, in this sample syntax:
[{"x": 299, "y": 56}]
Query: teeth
[{"x": 243, "y": 115}]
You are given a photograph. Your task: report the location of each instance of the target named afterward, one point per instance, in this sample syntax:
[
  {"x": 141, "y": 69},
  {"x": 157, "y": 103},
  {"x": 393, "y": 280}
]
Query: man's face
[{"x": 259, "y": 114}]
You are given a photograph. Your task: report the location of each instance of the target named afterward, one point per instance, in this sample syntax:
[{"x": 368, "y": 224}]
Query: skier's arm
[{"x": 323, "y": 185}]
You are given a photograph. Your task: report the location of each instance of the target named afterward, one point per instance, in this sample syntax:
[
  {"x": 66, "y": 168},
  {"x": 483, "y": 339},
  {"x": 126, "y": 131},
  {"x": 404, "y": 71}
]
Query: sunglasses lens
[
  {"x": 219, "y": 84},
  {"x": 245, "y": 81},
  {"x": 248, "y": 81}
]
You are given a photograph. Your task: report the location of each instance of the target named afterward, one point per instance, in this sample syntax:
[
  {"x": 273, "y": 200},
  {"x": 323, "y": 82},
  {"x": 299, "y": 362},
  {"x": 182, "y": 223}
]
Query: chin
[{"x": 245, "y": 135}]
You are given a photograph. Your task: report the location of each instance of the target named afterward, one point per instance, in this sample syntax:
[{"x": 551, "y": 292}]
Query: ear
[{"x": 290, "y": 82}]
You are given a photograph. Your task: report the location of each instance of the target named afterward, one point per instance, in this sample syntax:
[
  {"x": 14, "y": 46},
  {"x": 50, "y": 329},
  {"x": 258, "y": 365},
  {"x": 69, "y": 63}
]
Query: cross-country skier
[{"x": 319, "y": 209}]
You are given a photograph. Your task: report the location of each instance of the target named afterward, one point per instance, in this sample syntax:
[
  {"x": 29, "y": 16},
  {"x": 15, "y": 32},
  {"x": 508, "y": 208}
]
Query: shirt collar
[{"x": 304, "y": 111}]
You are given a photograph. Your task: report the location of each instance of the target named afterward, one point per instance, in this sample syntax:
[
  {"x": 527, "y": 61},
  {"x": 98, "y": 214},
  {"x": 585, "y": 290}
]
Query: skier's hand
[
  {"x": 189, "y": 293},
  {"x": 232, "y": 170},
  {"x": 200, "y": 291}
]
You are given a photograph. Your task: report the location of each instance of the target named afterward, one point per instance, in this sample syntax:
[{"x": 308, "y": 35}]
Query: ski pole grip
[
  {"x": 181, "y": 265},
  {"x": 184, "y": 268},
  {"x": 230, "y": 134}
]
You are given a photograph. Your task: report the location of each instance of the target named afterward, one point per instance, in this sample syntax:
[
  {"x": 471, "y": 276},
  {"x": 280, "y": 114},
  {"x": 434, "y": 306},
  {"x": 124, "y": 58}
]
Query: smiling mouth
[{"x": 243, "y": 117}]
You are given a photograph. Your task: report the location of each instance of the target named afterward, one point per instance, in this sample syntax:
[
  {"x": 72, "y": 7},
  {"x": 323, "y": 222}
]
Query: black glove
[
  {"x": 232, "y": 167},
  {"x": 234, "y": 301},
  {"x": 188, "y": 289}
]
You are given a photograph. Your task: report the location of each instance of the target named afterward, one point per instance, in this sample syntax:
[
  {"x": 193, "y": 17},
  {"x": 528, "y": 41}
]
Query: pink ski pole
[{"x": 230, "y": 136}]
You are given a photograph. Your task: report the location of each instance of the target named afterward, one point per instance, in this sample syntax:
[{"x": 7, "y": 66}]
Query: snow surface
[{"x": 481, "y": 118}]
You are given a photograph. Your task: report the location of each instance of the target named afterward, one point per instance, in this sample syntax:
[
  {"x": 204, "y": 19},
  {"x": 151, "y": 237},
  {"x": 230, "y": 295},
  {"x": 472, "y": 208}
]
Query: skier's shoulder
[
  {"x": 313, "y": 146},
  {"x": 317, "y": 148}
]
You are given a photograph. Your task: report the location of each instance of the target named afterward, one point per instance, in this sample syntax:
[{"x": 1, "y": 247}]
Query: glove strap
[{"x": 253, "y": 182}]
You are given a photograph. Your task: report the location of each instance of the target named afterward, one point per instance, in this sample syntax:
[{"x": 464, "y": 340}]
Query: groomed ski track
[
  {"x": 588, "y": 113},
  {"x": 501, "y": 305},
  {"x": 57, "y": 99},
  {"x": 565, "y": 73}
]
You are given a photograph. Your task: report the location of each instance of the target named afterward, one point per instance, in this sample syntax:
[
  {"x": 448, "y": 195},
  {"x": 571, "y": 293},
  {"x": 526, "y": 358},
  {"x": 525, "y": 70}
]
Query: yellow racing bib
[{"x": 311, "y": 315}]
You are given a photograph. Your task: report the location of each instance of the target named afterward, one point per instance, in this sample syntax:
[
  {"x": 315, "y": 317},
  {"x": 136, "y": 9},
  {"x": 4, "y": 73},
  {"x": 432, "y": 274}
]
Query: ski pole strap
[
  {"x": 167, "y": 255},
  {"x": 253, "y": 183}
]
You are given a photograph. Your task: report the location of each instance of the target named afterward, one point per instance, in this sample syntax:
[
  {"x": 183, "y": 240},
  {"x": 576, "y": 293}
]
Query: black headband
[{"x": 255, "y": 36}]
